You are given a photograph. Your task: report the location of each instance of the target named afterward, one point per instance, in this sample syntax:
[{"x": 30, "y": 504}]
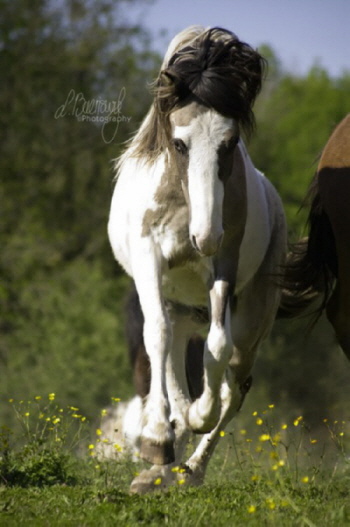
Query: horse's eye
[
  {"x": 233, "y": 142},
  {"x": 180, "y": 146}
]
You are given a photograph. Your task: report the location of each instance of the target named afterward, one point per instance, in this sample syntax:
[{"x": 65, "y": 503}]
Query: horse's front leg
[
  {"x": 204, "y": 413},
  {"x": 157, "y": 440}
]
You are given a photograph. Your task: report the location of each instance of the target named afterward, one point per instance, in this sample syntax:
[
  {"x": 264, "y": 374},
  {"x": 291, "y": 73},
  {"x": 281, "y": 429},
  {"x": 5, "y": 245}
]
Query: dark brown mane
[{"x": 216, "y": 69}]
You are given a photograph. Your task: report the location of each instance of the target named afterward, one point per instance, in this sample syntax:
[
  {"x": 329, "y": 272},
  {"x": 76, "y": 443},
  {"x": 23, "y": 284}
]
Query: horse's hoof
[
  {"x": 145, "y": 483},
  {"x": 157, "y": 454},
  {"x": 156, "y": 479}
]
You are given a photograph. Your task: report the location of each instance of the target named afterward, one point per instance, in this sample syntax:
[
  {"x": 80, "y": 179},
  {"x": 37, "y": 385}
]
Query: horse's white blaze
[{"x": 203, "y": 137}]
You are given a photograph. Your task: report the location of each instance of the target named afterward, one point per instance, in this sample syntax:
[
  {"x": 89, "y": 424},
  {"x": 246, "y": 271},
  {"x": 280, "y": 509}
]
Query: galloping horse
[
  {"x": 320, "y": 264},
  {"x": 202, "y": 233}
]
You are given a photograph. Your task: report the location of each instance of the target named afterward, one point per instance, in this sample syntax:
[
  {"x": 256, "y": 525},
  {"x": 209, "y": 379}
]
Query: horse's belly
[{"x": 188, "y": 284}]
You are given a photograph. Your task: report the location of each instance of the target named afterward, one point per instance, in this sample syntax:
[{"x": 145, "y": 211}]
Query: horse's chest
[{"x": 188, "y": 284}]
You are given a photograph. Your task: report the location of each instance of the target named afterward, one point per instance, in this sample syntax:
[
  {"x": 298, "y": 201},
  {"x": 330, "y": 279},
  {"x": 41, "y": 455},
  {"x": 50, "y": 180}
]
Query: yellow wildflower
[
  {"x": 264, "y": 437},
  {"x": 305, "y": 479},
  {"x": 158, "y": 481},
  {"x": 222, "y": 433},
  {"x": 98, "y": 432},
  {"x": 259, "y": 421},
  {"x": 52, "y": 396},
  {"x": 270, "y": 503},
  {"x": 251, "y": 509}
]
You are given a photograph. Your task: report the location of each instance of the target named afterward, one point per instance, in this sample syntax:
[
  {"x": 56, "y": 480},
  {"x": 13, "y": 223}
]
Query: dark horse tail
[{"x": 311, "y": 266}]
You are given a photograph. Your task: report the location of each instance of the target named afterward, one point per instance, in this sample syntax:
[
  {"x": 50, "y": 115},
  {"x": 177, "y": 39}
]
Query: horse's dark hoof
[{"x": 158, "y": 454}]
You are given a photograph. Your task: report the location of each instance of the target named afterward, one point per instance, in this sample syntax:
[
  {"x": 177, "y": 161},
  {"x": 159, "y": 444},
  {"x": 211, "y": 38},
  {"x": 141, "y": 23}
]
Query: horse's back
[
  {"x": 334, "y": 176},
  {"x": 336, "y": 153}
]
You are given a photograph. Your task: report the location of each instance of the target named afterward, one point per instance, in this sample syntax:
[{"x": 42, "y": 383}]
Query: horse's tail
[{"x": 311, "y": 266}]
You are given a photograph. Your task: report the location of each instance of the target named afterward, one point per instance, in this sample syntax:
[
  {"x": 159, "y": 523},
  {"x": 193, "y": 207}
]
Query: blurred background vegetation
[{"x": 61, "y": 293}]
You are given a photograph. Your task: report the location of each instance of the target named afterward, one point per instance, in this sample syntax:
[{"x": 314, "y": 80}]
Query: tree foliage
[
  {"x": 65, "y": 66},
  {"x": 61, "y": 63}
]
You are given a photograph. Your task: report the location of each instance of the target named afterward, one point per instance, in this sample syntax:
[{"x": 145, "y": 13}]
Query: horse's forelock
[
  {"x": 216, "y": 68},
  {"x": 211, "y": 66}
]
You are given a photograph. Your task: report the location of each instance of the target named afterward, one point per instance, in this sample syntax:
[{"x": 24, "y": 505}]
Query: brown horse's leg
[
  {"x": 334, "y": 185},
  {"x": 338, "y": 308}
]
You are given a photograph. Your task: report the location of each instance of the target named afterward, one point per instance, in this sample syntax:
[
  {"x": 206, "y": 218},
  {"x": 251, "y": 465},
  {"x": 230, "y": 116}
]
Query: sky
[{"x": 302, "y": 33}]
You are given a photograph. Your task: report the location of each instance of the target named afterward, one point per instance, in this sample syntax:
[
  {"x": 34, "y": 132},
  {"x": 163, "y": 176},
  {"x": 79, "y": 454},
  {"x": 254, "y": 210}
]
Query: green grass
[
  {"x": 267, "y": 472},
  {"x": 215, "y": 504}
]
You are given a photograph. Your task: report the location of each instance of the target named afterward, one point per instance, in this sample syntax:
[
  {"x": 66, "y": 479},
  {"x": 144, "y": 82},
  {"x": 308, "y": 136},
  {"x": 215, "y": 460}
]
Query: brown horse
[{"x": 320, "y": 264}]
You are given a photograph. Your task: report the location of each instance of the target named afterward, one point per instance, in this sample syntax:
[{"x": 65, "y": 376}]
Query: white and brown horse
[{"x": 202, "y": 233}]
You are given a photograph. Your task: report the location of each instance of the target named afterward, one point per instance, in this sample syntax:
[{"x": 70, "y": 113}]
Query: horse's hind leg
[
  {"x": 334, "y": 185},
  {"x": 338, "y": 308}
]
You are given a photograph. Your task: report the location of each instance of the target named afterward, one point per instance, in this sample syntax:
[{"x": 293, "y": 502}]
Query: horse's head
[
  {"x": 203, "y": 143},
  {"x": 203, "y": 96}
]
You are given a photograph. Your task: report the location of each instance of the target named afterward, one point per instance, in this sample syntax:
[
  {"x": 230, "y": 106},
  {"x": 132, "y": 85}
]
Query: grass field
[{"x": 268, "y": 472}]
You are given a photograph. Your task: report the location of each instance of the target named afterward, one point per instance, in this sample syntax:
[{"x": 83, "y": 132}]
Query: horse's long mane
[{"x": 211, "y": 66}]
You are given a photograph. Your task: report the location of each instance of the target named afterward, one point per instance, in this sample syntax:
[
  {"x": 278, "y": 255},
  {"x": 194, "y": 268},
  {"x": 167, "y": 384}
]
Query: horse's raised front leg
[
  {"x": 157, "y": 441},
  {"x": 204, "y": 413},
  {"x": 232, "y": 397}
]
